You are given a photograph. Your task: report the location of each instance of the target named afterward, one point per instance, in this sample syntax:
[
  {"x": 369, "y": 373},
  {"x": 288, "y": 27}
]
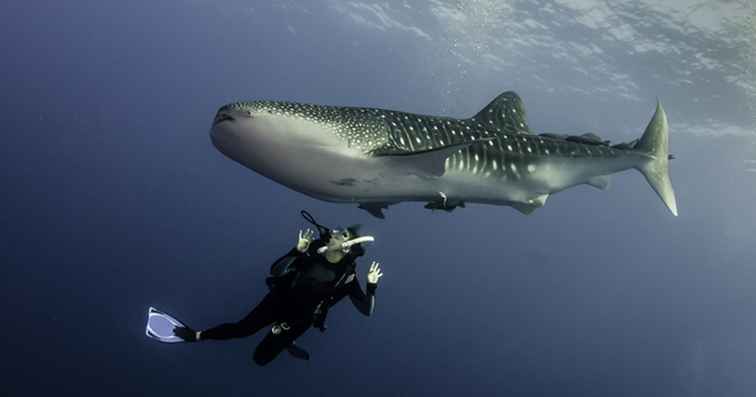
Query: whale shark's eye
[{"x": 221, "y": 117}]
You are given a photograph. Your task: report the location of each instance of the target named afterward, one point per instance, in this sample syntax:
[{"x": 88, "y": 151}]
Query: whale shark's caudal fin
[{"x": 655, "y": 143}]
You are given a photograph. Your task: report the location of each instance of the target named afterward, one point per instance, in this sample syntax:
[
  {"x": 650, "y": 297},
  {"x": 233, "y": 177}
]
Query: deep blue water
[{"x": 114, "y": 200}]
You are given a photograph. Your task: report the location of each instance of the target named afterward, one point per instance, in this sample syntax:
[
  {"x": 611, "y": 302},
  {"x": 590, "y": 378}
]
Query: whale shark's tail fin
[{"x": 655, "y": 143}]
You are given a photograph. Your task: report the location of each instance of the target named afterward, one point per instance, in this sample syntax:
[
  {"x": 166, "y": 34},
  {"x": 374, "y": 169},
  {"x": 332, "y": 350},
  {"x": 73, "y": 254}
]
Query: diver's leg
[
  {"x": 273, "y": 344},
  {"x": 262, "y": 315}
]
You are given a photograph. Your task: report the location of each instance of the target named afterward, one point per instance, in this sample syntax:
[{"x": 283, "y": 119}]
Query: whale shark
[{"x": 375, "y": 157}]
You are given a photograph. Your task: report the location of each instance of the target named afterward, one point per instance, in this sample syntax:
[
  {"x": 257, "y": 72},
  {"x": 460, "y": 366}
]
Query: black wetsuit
[{"x": 302, "y": 289}]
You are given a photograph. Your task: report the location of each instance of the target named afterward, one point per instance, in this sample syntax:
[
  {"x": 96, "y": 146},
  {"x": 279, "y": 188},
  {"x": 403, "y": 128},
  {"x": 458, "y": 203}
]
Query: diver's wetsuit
[{"x": 303, "y": 287}]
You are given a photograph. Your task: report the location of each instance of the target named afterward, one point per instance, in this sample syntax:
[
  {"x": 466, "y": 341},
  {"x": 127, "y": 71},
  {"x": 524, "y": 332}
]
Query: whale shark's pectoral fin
[
  {"x": 600, "y": 182},
  {"x": 531, "y": 205},
  {"x": 428, "y": 162},
  {"x": 375, "y": 209},
  {"x": 539, "y": 201},
  {"x": 525, "y": 209}
]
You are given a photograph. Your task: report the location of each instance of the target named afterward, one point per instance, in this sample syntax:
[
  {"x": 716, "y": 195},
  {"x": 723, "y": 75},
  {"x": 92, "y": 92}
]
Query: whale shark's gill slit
[
  {"x": 404, "y": 133},
  {"x": 344, "y": 182},
  {"x": 430, "y": 142},
  {"x": 446, "y": 137},
  {"x": 484, "y": 153},
  {"x": 393, "y": 139},
  {"x": 422, "y": 129}
]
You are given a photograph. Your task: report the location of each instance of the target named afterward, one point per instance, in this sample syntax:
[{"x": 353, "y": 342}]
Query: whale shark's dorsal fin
[{"x": 506, "y": 113}]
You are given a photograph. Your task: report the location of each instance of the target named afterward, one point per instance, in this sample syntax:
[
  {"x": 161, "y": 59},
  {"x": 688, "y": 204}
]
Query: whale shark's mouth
[
  {"x": 221, "y": 117},
  {"x": 223, "y": 135}
]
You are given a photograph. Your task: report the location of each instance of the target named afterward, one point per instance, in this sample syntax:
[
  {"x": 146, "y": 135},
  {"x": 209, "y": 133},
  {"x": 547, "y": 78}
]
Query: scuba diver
[{"x": 303, "y": 284}]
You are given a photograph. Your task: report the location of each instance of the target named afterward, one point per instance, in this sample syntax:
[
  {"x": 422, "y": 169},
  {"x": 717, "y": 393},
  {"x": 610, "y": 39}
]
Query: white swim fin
[{"x": 160, "y": 326}]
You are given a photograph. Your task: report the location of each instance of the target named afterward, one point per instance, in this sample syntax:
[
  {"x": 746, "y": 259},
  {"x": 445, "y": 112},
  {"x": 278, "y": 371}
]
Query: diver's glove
[
  {"x": 374, "y": 274},
  {"x": 187, "y": 334},
  {"x": 305, "y": 238}
]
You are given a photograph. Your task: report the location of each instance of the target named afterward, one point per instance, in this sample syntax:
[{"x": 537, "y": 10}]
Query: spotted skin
[
  {"x": 360, "y": 128},
  {"x": 495, "y": 158},
  {"x": 515, "y": 156},
  {"x": 385, "y": 132},
  {"x": 508, "y": 152}
]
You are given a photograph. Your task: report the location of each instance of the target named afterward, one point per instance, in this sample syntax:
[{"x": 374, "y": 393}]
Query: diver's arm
[
  {"x": 284, "y": 263},
  {"x": 365, "y": 303}
]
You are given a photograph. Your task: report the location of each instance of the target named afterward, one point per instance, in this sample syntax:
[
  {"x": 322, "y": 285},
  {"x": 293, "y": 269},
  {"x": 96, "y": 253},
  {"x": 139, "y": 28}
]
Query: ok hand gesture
[
  {"x": 304, "y": 240},
  {"x": 374, "y": 273}
]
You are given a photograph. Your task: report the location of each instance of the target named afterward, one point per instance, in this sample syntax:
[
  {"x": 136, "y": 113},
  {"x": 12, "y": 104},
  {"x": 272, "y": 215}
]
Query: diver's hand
[
  {"x": 305, "y": 238},
  {"x": 374, "y": 273}
]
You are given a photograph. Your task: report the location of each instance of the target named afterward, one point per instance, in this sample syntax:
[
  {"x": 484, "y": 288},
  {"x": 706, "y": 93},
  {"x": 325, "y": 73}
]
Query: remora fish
[{"x": 376, "y": 157}]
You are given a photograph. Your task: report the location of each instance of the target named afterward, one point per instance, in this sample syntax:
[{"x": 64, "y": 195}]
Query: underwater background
[{"x": 114, "y": 199}]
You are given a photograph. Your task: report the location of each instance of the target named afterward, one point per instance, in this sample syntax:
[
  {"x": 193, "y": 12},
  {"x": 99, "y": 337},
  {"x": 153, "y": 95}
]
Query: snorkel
[
  {"x": 339, "y": 241},
  {"x": 346, "y": 246}
]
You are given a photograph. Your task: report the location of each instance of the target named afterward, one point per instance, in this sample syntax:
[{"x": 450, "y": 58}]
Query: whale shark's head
[
  {"x": 288, "y": 141},
  {"x": 265, "y": 127}
]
